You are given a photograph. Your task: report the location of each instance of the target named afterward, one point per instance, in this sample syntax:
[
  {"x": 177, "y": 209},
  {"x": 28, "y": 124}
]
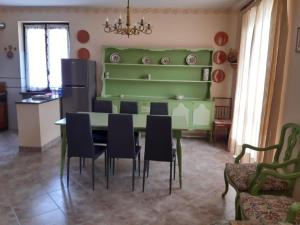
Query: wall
[
  {"x": 185, "y": 28},
  {"x": 291, "y": 106}
]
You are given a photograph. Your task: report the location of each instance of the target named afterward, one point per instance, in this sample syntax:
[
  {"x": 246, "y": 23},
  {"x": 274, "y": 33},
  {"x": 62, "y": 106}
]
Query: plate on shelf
[
  {"x": 191, "y": 59},
  {"x": 115, "y": 57},
  {"x": 146, "y": 60},
  {"x": 165, "y": 60}
]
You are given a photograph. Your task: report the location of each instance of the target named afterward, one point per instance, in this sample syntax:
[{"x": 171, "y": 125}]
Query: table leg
[
  {"x": 63, "y": 151},
  {"x": 179, "y": 155}
]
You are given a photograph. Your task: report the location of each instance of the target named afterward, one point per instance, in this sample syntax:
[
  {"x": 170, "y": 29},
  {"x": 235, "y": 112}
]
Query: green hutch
[{"x": 132, "y": 80}]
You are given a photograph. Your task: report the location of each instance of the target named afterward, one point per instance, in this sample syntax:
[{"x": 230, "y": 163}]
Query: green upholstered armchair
[{"x": 282, "y": 172}]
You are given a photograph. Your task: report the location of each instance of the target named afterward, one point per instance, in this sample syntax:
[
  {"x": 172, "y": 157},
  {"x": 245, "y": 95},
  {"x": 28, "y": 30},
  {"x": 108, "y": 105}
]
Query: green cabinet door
[
  {"x": 202, "y": 115},
  {"x": 182, "y": 108}
]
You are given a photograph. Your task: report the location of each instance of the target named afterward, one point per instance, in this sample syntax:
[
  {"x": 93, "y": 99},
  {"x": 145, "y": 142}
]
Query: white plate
[
  {"x": 146, "y": 60},
  {"x": 191, "y": 59},
  {"x": 165, "y": 60},
  {"x": 115, "y": 57}
]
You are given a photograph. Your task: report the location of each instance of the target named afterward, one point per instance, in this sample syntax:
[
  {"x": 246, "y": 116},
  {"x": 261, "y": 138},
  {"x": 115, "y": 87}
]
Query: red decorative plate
[
  {"x": 83, "y": 53},
  {"x": 219, "y": 57},
  {"x": 83, "y": 36},
  {"x": 221, "y": 38},
  {"x": 218, "y": 76}
]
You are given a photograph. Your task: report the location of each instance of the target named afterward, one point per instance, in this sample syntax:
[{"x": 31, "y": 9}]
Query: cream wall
[
  {"x": 291, "y": 106},
  {"x": 187, "y": 28}
]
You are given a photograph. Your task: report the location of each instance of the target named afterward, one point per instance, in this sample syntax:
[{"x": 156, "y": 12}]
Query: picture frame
[{"x": 298, "y": 40}]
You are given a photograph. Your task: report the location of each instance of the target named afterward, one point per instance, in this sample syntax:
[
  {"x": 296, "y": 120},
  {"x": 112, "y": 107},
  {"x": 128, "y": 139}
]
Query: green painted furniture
[
  {"x": 99, "y": 121},
  {"x": 129, "y": 80},
  {"x": 251, "y": 177}
]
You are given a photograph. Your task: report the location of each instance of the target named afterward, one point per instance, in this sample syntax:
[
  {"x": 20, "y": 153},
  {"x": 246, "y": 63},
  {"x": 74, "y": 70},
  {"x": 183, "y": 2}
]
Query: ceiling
[{"x": 206, "y": 4}]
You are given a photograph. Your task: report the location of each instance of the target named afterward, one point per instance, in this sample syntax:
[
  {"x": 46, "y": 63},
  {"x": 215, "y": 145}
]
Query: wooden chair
[
  {"x": 249, "y": 177},
  {"x": 223, "y": 115}
]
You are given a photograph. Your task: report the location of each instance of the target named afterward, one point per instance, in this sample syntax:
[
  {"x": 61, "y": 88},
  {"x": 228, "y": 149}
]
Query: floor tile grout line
[
  {"x": 15, "y": 214},
  {"x": 56, "y": 204}
]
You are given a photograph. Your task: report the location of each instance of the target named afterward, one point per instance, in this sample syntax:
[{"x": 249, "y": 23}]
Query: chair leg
[
  {"x": 175, "y": 167},
  {"x": 170, "y": 191},
  {"x": 148, "y": 166},
  {"x": 105, "y": 163},
  {"x": 139, "y": 163},
  {"x": 93, "y": 173},
  {"x": 108, "y": 160},
  {"x": 144, "y": 172},
  {"x": 226, "y": 184},
  {"x": 237, "y": 207},
  {"x": 133, "y": 172},
  {"x": 83, "y": 164},
  {"x": 80, "y": 163},
  {"x": 113, "y": 161},
  {"x": 68, "y": 171}
]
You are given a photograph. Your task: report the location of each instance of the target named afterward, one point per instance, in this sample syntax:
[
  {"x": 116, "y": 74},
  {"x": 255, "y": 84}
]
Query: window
[{"x": 45, "y": 45}]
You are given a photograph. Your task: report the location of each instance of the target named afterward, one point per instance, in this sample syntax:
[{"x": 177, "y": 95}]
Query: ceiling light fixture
[{"x": 118, "y": 28}]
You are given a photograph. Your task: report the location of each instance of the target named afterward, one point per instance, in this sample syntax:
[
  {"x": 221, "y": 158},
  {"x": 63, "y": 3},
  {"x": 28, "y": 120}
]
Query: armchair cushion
[
  {"x": 266, "y": 209},
  {"x": 242, "y": 174}
]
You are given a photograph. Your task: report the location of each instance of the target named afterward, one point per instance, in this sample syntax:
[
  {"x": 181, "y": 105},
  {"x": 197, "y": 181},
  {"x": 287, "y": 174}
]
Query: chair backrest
[
  {"x": 104, "y": 106},
  {"x": 79, "y": 135},
  {"x": 290, "y": 133},
  {"x": 158, "y": 143},
  {"x": 159, "y": 108},
  {"x": 128, "y": 107},
  {"x": 120, "y": 136},
  {"x": 223, "y": 107}
]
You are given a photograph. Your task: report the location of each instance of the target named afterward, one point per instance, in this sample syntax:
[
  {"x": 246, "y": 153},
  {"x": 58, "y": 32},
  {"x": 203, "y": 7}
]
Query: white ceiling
[{"x": 210, "y": 4}]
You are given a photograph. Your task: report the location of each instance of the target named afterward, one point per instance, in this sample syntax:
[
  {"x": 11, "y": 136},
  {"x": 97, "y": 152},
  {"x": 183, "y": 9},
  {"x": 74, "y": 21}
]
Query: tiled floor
[{"x": 31, "y": 191}]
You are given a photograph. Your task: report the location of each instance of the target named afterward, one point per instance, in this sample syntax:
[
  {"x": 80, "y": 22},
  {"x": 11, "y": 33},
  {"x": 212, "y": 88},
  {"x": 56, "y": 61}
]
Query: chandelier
[{"x": 118, "y": 28}]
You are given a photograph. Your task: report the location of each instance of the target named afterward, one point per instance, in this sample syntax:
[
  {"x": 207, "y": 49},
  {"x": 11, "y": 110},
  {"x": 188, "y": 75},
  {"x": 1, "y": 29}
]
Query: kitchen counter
[
  {"x": 36, "y": 128},
  {"x": 36, "y": 101}
]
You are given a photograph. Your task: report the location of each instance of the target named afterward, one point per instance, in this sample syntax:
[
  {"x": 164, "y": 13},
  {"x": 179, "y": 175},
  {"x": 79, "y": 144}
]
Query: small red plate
[
  {"x": 221, "y": 38},
  {"x": 83, "y": 53},
  {"x": 218, "y": 76},
  {"x": 219, "y": 57},
  {"x": 83, "y": 36}
]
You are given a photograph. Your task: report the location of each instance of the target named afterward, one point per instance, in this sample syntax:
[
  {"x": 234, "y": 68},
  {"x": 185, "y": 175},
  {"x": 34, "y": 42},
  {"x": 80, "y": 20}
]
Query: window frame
[{"x": 27, "y": 88}]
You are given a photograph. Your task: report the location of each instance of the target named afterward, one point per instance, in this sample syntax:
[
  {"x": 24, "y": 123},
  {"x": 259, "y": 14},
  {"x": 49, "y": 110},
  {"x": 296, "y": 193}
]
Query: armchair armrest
[
  {"x": 294, "y": 210},
  {"x": 259, "y": 181},
  {"x": 245, "y": 146},
  {"x": 261, "y": 166}
]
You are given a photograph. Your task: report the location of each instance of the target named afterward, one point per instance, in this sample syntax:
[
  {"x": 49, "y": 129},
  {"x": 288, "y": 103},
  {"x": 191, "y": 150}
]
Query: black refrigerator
[{"x": 78, "y": 85}]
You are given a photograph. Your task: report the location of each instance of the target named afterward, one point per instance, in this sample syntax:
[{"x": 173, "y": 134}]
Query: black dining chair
[
  {"x": 121, "y": 142},
  {"x": 158, "y": 143},
  {"x": 102, "y": 106},
  {"x": 128, "y": 107},
  {"x": 159, "y": 108},
  {"x": 80, "y": 142}
]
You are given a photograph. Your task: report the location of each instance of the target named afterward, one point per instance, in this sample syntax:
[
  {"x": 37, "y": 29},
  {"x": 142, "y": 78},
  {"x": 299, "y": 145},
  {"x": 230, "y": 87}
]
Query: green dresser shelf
[{"x": 128, "y": 82}]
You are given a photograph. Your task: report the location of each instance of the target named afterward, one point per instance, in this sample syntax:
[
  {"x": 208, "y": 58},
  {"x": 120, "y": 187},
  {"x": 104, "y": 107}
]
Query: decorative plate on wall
[
  {"x": 146, "y": 60},
  {"x": 219, "y": 57},
  {"x": 218, "y": 76},
  {"x": 83, "y": 53},
  {"x": 191, "y": 59},
  {"x": 83, "y": 36},
  {"x": 115, "y": 57},
  {"x": 221, "y": 38},
  {"x": 165, "y": 60}
]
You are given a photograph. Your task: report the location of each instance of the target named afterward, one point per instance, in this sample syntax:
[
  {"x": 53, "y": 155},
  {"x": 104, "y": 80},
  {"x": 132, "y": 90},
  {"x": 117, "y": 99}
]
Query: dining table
[{"x": 99, "y": 121}]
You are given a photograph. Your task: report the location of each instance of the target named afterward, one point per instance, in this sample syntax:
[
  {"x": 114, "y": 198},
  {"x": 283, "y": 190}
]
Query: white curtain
[
  {"x": 251, "y": 77},
  {"x": 46, "y": 45},
  {"x": 36, "y": 63}
]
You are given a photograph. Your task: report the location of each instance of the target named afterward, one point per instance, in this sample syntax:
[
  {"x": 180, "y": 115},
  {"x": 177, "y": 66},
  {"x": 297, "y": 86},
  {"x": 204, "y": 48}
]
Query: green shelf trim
[
  {"x": 145, "y": 80},
  {"x": 159, "y": 49},
  {"x": 158, "y": 65},
  {"x": 152, "y": 98}
]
